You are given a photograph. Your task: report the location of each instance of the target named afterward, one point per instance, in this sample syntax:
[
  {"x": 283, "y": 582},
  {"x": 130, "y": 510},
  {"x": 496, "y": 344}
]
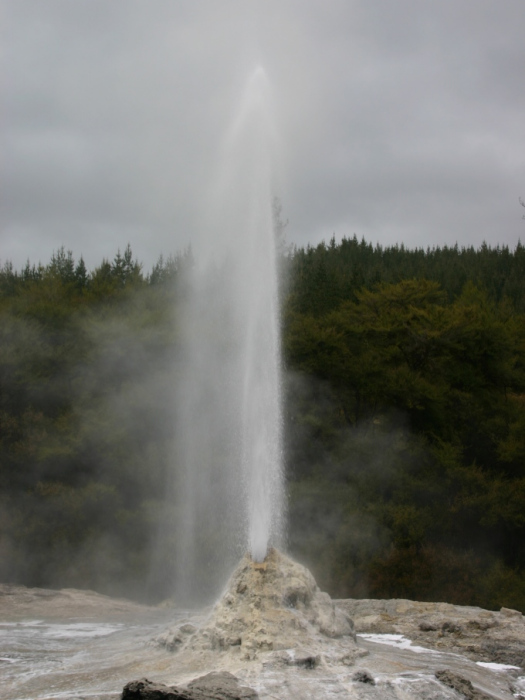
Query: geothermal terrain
[{"x": 273, "y": 629}]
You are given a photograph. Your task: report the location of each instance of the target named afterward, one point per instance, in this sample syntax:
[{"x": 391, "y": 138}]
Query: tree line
[{"x": 404, "y": 415}]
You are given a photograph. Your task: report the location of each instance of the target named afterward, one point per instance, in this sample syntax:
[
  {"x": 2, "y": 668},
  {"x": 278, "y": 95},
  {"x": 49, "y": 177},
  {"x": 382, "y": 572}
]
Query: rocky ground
[
  {"x": 481, "y": 635},
  {"x": 273, "y": 635},
  {"x": 18, "y": 602}
]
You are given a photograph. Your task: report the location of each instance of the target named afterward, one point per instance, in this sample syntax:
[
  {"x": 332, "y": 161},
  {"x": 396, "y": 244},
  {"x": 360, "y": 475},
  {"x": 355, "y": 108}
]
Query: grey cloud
[{"x": 402, "y": 122}]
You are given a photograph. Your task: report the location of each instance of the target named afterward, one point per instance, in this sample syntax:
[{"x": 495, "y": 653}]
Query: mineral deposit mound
[{"x": 270, "y": 606}]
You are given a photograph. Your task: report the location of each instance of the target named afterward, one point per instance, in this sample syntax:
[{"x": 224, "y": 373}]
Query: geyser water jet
[{"x": 229, "y": 489}]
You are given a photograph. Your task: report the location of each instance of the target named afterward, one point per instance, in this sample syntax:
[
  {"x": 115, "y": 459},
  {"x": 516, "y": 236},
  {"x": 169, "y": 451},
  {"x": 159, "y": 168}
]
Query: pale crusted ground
[
  {"x": 277, "y": 632},
  {"x": 17, "y": 602}
]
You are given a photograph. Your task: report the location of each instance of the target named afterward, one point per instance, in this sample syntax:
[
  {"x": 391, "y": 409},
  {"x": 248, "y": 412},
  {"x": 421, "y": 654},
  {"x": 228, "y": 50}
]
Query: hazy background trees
[{"x": 404, "y": 420}]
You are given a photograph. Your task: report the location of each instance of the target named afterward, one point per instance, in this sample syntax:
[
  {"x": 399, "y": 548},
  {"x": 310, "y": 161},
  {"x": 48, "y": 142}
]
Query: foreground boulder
[
  {"x": 148, "y": 690},
  {"x": 212, "y": 686}
]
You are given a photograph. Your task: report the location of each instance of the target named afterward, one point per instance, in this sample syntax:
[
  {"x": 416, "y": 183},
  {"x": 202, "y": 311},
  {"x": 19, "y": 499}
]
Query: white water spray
[{"x": 229, "y": 493}]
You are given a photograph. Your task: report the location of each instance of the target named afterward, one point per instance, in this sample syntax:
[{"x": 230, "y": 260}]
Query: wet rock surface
[{"x": 273, "y": 635}]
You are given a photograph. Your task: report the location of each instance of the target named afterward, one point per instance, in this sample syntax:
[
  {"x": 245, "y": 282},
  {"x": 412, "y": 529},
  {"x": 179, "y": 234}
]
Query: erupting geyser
[
  {"x": 229, "y": 492},
  {"x": 251, "y": 143}
]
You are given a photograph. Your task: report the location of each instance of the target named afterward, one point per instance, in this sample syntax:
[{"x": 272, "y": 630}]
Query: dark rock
[
  {"x": 451, "y": 628},
  {"x": 220, "y": 686},
  {"x": 425, "y": 626},
  {"x": 147, "y": 690},
  {"x": 480, "y": 625},
  {"x": 462, "y": 685},
  {"x": 213, "y": 686},
  {"x": 306, "y": 660},
  {"x": 507, "y": 651},
  {"x": 301, "y": 659},
  {"x": 363, "y": 677}
]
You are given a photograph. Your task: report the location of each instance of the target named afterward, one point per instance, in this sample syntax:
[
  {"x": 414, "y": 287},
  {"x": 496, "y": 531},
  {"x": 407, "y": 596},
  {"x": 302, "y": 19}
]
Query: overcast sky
[{"x": 403, "y": 122}]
